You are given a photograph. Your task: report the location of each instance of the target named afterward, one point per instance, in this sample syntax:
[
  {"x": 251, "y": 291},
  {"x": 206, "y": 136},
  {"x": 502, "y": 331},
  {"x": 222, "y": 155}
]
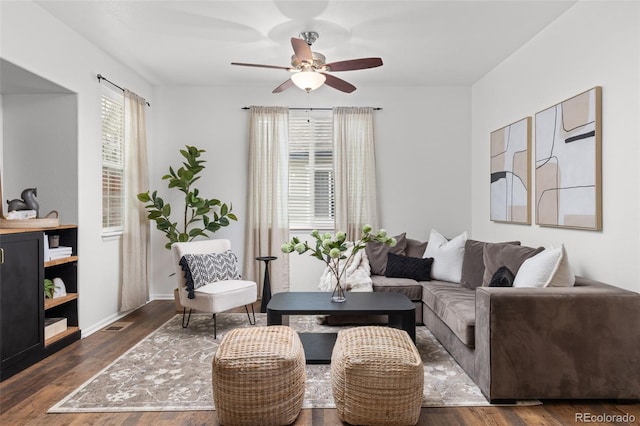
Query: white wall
[
  {"x": 32, "y": 39},
  {"x": 422, "y": 149},
  {"x": 592, "y": 44},
  {"x": 40, "y": 133}
]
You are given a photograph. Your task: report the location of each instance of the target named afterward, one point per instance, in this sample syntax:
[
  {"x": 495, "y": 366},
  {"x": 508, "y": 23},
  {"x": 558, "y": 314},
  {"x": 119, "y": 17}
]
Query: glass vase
[{"x": 338, "y": 295}]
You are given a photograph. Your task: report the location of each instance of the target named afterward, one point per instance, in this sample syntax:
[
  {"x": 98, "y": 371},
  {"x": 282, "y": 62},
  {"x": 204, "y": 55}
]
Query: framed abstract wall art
[
  {"x": 569, "y": 163},
  {"x": 510, "y": 173}
]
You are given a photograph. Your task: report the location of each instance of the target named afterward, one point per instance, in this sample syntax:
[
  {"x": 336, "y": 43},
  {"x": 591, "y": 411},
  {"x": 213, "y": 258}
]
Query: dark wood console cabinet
[{"x": 23, "y": 307}]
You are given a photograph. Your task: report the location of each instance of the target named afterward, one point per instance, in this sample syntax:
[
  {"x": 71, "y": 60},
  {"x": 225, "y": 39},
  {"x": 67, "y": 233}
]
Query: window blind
[
  {"x": 112, "y": 161},
  {"x": 311, "y": 176}
]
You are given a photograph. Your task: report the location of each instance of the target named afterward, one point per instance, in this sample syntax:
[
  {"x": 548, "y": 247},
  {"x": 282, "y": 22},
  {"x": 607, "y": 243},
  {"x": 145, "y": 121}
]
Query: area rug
[{"x": 170, "y": 370}]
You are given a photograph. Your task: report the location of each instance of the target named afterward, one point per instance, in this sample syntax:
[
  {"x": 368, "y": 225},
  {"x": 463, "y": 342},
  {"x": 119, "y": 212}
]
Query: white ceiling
[{"x": 421, "y": 42}]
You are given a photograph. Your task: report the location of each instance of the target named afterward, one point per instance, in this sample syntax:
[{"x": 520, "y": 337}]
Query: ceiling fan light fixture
[
  {"x": 308, "y": 68},
  {"x": 308, "y": 80}
]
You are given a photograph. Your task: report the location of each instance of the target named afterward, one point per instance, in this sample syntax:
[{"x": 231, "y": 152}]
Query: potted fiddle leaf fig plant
[{"x": 200, "y": 215}]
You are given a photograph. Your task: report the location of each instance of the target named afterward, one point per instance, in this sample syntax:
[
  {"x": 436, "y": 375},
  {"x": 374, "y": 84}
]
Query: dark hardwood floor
[{"x": 26, "y": 397}]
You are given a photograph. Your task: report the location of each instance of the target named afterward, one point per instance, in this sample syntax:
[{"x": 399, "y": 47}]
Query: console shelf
[
  {"x": 24, "y": 307},
  {"x": 62, "y": 261},
  {"x": 68, "y": 332},
  {"x": 52, "y": 303}
]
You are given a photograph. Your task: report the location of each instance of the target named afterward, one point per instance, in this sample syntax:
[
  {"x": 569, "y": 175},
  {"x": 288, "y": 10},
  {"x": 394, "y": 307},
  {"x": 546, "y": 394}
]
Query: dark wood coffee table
[{"x": 318, "y": 346}]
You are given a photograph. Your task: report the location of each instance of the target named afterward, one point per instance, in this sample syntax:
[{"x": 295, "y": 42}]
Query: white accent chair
[{"x": 217, "y": 296}]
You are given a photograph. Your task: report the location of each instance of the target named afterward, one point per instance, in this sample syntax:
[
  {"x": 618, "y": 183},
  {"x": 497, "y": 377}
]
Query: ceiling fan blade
[
  {"x": 302, "y": 50},
  {"x": 339, "y": 84},
  {"x": 262, "y": 66},
  {"x": 354, "y": 64},
  {"x": 284, "y": 86}
]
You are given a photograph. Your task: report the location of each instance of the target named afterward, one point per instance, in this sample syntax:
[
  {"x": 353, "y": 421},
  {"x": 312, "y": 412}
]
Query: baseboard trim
[
  {"x": 105, "y": 322},
  {"x": 115, "y": 317},
  {"x": 161, "y": 296}
]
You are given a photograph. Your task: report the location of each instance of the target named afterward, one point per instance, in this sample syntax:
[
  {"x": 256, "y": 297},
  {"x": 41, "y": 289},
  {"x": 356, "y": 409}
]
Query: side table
[{"x": 266, "y": 284}]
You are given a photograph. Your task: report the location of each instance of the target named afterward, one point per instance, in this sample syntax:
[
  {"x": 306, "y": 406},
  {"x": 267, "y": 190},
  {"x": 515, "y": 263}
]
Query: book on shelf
[
  {"x": 53, "y": 326},
  {"x": 59, "y": 252}
]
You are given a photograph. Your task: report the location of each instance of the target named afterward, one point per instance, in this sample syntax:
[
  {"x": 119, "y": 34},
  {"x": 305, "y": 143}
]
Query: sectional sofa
[{"x": 571, "y": 342}]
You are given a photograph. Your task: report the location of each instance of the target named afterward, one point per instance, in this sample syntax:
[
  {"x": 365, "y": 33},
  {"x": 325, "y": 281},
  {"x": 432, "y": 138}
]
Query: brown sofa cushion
[
  {"x": 377, "y": 253},
  {"x": 473, "y": 263},
  {"x": 455, "y": 306},
  {"x": 501, "y": 254},
  {"x": 410, "y": 288}
]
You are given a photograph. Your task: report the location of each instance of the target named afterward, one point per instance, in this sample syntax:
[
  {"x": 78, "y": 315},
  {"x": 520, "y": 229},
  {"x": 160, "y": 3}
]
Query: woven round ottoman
[
  {"x": 377, "y": 377},
  {"x": 259, "y": 376}
]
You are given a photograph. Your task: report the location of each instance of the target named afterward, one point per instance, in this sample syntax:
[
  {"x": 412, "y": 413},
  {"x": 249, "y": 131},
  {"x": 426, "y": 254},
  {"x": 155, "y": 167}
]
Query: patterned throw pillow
[
  {"x": 202, "y": 269},
  {"x": 415, "y": 268}
]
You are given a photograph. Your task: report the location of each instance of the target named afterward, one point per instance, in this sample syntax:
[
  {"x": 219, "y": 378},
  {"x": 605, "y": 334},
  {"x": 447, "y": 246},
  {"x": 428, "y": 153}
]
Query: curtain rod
[
  {"x": 315, "y": 109},
  {"x": 101, "y": 77}
]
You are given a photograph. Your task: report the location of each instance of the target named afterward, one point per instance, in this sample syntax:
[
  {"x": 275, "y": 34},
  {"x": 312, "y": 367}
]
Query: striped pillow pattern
[{"x": 202, "y": 269}]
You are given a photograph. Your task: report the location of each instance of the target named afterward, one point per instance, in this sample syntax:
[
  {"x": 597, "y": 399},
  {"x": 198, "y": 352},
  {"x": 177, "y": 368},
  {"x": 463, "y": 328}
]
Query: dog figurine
[{"x": 28, "y": 201}]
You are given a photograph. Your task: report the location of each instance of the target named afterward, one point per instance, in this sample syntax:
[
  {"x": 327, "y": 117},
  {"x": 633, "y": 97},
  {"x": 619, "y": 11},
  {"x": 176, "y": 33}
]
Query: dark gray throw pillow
[
  {"x": 509, "y": 255},
  {"x": 377, "y": 253},
  {"x": 415, "y": 268},
  {"x": 415, "y": 248},
  {"x": 473, "y": 263},
  {"x": 502, "y": 278}
]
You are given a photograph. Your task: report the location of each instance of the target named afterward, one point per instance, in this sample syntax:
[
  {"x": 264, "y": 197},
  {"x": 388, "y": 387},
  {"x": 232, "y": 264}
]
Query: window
[
  {"x": 311, "y": 176},
  {"x": 112, "y": 161}
]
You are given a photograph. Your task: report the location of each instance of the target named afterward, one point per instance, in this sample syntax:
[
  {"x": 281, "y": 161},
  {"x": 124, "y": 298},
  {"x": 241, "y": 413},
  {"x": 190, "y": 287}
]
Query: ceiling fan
[{"x": 310, "y": 70}]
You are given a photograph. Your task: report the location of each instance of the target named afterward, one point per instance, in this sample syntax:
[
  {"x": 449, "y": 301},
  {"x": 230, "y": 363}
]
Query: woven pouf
[
  {"x": 377, "y": 377},
  {"x": 259, "y": 376}
]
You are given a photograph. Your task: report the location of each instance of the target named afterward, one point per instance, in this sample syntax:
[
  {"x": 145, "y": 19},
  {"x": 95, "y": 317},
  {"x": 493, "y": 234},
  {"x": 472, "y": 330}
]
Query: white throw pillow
[
  {"x": 447, "y": 256},
  {"x": 564, "y": 276},
  {"x": 549, "y": 268}
]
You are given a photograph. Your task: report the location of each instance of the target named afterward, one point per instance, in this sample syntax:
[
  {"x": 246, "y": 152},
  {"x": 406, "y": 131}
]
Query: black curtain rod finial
[{"x": 101, "y": 77}]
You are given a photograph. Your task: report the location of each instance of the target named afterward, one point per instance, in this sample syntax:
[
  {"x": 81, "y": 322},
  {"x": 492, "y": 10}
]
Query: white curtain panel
[
  {"x": 134, "y": 287},
  {"x": 355, "y": 170},
  {"x": 267, "y": 221}
]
